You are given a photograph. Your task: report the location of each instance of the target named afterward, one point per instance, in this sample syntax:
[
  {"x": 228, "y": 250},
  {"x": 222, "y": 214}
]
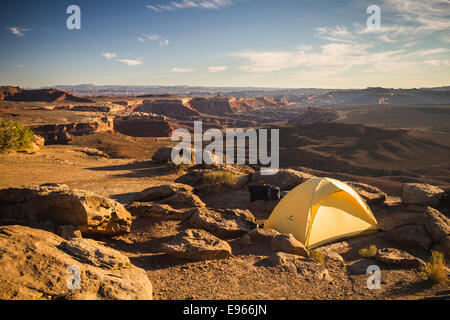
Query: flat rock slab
[
  {"x": 260, "y": 234},
  {"x": 194, "y": 244},
  {"x": 371, "y": 194},
  {"x": 183, "y": 199},
  {"x": 36, "y": 264},
  {"x": 223, "y": 223},
  {"x": 305, "y": 267},
  {"x": 286, "y": 179},
  {"x": 391, "y": 256},
  {"x": 414, "y": 236},
  {"x": 154, "y": 210},
  {"x": 360, "y": 266},
  {"x": 161, "y": 192}
]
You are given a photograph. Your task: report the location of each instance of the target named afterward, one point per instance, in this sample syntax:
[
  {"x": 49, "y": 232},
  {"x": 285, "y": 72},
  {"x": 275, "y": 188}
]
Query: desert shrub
[
  {"x": 176, "y": 168},
  {"x": 216, "y": 180},
  {"x": 368, "y": 252},
  {"x": 14, "y": 136},
  {"x": 435, "y": 268},
  {"x": 317, "y": 256}
]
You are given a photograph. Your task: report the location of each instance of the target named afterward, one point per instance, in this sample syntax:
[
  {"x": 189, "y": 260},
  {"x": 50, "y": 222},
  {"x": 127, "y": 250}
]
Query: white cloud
[
  {"x": 149, "y": 37},
  {"x": 187, "y": 4},
  {"x": 337, "y": 34},
  {"x": 163, "y": 43},
  {"x": 414, "y": 19},
  {"x": 130, "y": 62},
  {"x": 18, "y": 31},
  {"x": 154, "y": 37},
  {"x": 217, "y": 68},
  {"x": 20, "y": 66},
  {"x": 109, "y": 55},
  {"x": 183, "y": 70},
  {"x": 334, "y": 59},
  {"x": 433, "y": 63}
]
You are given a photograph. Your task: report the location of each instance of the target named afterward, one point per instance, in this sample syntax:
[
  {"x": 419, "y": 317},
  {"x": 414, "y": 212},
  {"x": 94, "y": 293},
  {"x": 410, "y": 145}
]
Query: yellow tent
[{"x": 321, "y": 211}]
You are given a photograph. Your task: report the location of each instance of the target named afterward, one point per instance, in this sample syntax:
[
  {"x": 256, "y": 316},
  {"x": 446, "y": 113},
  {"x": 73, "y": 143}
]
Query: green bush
[
  {"x": 317, "y": 256},
  {"x": 176, "y": 168},
  {"x": 14, "y": 136},
  {"x": 368, "y": 253},
  {"x": 435, "y": 268},
  {"x": 216, "y": 180}
]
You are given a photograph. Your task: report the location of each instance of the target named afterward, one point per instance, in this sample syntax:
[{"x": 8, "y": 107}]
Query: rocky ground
[{"x": 130, "y": 216}]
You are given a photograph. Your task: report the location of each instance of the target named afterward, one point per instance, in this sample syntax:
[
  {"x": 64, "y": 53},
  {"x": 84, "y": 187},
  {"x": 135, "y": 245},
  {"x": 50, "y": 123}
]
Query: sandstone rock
[
  {"x": 286, "y": 179},
  {"x": 262, "y": 206},
  {"x": 68, "y": 232},
  {"x": 183, "y": 200},
  {"x": 410, "y": 236},
  {"x": 62, "y": 133},
  {"x": 35, "y": 265},
  {"x": 162, "y": 155},
  {"x": 331, "y": 256},
  {"x": 151, "y": 209},
  {"x": 260, "y": 234},
  {"x": 305, "y": 267},
  {"x": 444, "y": 246},
  {"x": 360, "y": 266},
  {"x": 161, "y": 192},
  {"x": 288, "y": 244},
  {"x": 39, "y": 140},
  {"x": 421, "y": 194},
  {"x": 90, "y": 213},
  {"x": 397, "y": 257},
  {"x": 143, "y": 125},
  {"x": 436, "y": 224},
  {"x": 223, "y": 223},
  {"x": 370, "y": 194},
  {"x": 245, "y": 240},
  {"x": 195, "y": 244},
  {"x": 399, "y": 218},
  {"x": 94, "y": 152},
  {"x": 314, "y": 115},
  {"x": 33, "y": 148}
]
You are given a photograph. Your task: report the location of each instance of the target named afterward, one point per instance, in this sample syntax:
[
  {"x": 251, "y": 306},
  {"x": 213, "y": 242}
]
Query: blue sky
[{"x": 260, "y": 43}]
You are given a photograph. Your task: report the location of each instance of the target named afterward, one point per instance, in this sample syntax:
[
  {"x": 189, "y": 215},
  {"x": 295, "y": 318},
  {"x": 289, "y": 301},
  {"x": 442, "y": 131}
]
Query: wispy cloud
[
  {"x": 109, "y": 55},
  {"x": 187, "y": 4},
  {"x": 336, "y": 58},
  {"x": 131, "y": 62},
  {"x": 183, "y": 70},
  {"x": 18, "y": 31},
  {"x": 149, "y": 37},
  {"x": 337, "y": 34},
  {"x": 217, "y": 68},
  {"x": 414, "y": 19},
  {"x": 163, "y": 43}
]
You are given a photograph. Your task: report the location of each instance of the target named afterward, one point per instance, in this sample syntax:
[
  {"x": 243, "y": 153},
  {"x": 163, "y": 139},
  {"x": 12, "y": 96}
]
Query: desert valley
[{"x": 96, "y": 189}]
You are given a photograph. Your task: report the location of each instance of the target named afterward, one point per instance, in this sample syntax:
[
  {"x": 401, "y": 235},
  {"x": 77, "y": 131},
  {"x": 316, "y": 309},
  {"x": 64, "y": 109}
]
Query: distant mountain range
[{"x": 307, "y": 96}]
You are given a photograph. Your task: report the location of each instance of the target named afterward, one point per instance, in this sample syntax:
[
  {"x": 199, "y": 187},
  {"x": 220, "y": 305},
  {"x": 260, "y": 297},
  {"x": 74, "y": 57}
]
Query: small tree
[{"x": 14, "y": 136}]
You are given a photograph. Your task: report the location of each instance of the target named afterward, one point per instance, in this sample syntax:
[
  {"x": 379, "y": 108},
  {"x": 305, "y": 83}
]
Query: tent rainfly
[{"x": 322, "y": 211}]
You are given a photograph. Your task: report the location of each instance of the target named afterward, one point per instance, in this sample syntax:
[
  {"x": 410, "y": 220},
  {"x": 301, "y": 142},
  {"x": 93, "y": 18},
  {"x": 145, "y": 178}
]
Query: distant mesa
[
  {"x": 10, "y": 93},
  {"x": 315, "y": 115}
]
